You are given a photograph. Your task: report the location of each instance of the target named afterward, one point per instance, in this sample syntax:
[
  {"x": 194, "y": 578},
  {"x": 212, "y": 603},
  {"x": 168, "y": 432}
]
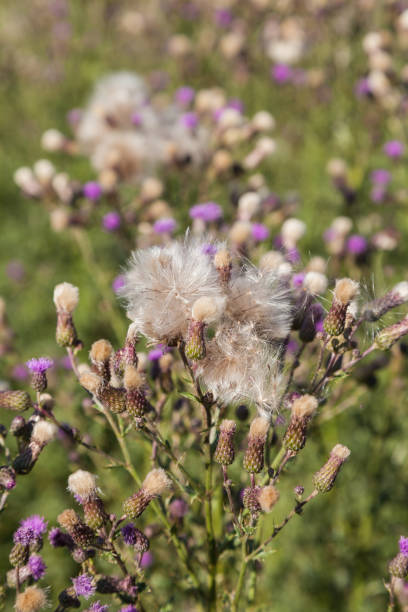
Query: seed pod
[
  {"x": 345, "y": 290},
  {"x": 15, "y": 400},
  {"x": 155, "y": 483},
  {"x": 66, "y": 298},
  {"x": 267, "y": 497},
  {"x": 325, "y": 478},
  {"x": 142, "y": 543},
  {"x": 100, "y": 355},
  {"x": 254, "y": 454},
  {"x": 225, "y": 452},
  {"x": 66, "y": 333},
  {"x": 303, "y": 409},
  {"x": 81, "y": 534}
]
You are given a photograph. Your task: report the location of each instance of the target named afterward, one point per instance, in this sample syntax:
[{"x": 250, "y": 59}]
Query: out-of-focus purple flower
[
  {"x": 189, "y": 120},
  {"x": 146, "y": 560},
  {"x": 319, "y": 326},
  {"x": 362, "y": 88},
  {"x": 293, "y": 255},
  {"x": 20, "y": 372},
  {"x": 380, "y": 176},
  {"x": 155, "y": 354},
  {"x": 223, "y": 17},
  {"x": 92, "y": 190},
  {"x": 84, "y": 586},
  {"x": 356, "y": 244},
  {"x": 378, "y": 194},
  {"x": 37, "y": 566},
  {"x": 209, "y": 249},
  {"x": 208, "y": 211},
  {"x": 178, "y": 508},
  {"x": 281, "y": 73},
  {"x": 292, "y": 346},
  {"x": 259, "y": 232},
  {"x": 37, "y": 366},
  {"x": 74, "y": 116},
  {"x": 37, "y": 523},
  {"x": 165, "y": 226},
  {"x": 278, "y": 242},
  {"x": 129, "y": 608},
  {"x": 24, "y": 535},
  {"x": 297, "y": 279},
  {"x": 58, "y": 538},
  {"x": 184, "y": 95},
  {"x": 129, "y": 534},
  {"x": 98, "y": 607},
  {"x": 136, "y": 119},
  {"x": 394, "y": 149},
  {"x": 65, "y": 363},
  {"x": 329, "y": 235},
  {"x": 118, "y": 283},
  {"x": 299, "y": 77},
  {"x": 270, "y": 202},
  {"x": 15, "y": 270},
  {"x": 403, "y": 546},
  {"x": 111, "y": 221},
  {"x": 236, "y": 104}
]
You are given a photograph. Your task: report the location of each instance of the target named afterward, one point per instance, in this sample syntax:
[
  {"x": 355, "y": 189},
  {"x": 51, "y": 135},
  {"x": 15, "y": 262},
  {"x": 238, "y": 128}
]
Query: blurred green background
[{"x": 51, "y": 54}]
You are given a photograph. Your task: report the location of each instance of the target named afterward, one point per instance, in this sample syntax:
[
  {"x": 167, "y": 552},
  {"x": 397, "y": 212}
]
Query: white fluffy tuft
[{"x": 66, "y": 297}]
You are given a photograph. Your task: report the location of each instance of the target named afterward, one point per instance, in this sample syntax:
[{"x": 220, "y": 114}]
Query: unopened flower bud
[
  {"x": 251, "y": 502},
  {"x": 155, "y": 483},
  {"x": 225, "y": 452},
  {"x": 66, "y": 297},
  {"x": 345, "y": 290},
  {"x": 15, "y": 400},
  {"x": 303, "y": 409},
  {"x": 325, "y": 478},
  {"x": 390, "y": 335},
  {"x": 81, "y": 534},
  {"x": 136, "y": 401},
  {"x": 254, "y": 454},
  {"x": 43, "y": 432},
  {"x": 19, "y": 554}
]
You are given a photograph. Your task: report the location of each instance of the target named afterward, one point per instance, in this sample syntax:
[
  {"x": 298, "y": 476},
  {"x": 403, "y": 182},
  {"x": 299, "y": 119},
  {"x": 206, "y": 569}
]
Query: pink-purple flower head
[
  {"x": 356, "y": 244},
  {"x": 98, "y": 607},
  {"x": 146, "y": 560},
  {"x": 155, "y": 353},
  {"x": 59, "y": 539},
  {"x": 129, "y": 608},
  {"x": 84, "y": 586},
  {"x": 236, "y": 104},
  {"x": 362, "y": 88},
  {"x": 165, "y": 226},
  {"x": 129, "y": 534},
  {"x": 380, "y": 176},
  {"x": 403, "y": 546},
  {"x": 209, "y": 249},
  {"x": 184, "y": 95},
  {"x": 37, "y": 566},
  {"x": 223, "y": 17},
  {"x": 40, "y": 365},
  {"x": 92, "y": 190},
  {"x": 207, "y": 211},
  {"x": 282, "y": 73},
  {"x": 259, "y": 232},
  {"x": 297, "y": 279},
  {"x": 394, "y": 149},
  {"x": 136, "y": 119},
  {"x": 111, "y": 221},
  {"x": 32, "y": 528},
  {"x": 118, "y": 283},
  {"x": 189, "y": 120}
]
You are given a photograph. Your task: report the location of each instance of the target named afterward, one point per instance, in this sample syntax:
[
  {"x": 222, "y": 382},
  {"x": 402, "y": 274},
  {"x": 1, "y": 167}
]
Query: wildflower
[
  {"x": 303, "y": 409},
  {"x": 59, "y": 539},
  {"x": 189, "y": 120},
  {"x": 184, "y": 95},
  {"x": 53, "y": 140},
  {"x": 208, "y": 211},
  {"x": 292, "y": 231},
  {"x": 178, "y": 508},
  {"x": 225, "y": 452},
  {"x": 81, "y": 534},
  {"x": 136, "y": 402},
  {"x": 36, "y": 523},
  {"x": 248, "y": 205},
  {"x": 398, "y": 567},
  {"x": 204, "y": 310},
  {"x": 259, "y": 232},
  {"x": 42, "y": 433},
  {"x": 37, "y": 566},
  {"x": 282, "y": 73},
  {"x": 155, "y": 483},
  {"x": 118, "y": 283},
  {"x": 251, "y": 502},
  {"x": 325, "y": 478},
  {"x": 146, "y": 560},
  {"x": 7, "y": 477},
  {"x": 111, "y": 221},
  {"x": 98, "y": 607},
  {"x": 222, "y": 261},
  {"x": 345, "y": 290},
  {"x": 356, "y": 245},
  {"x": 32, "y": 599},
  {"x": 84, "y": 586},
  {"x": 164, "y": 226},
  {"x": 388, "y": 336},
  {"x": 380, "y": 176},
  {"x": 394, "y": 149},
  {"x": 38, "y": 368},
  {"x": 66, "y": 297},
  {"x": 92, "y": 190},
  {"x": 100, "y": 355}
]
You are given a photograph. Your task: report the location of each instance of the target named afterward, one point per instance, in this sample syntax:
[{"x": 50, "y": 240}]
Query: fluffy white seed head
[
  {"x": 341, "y": 451},
  {"x": 248, "y": 205},
  {"x": 317, "y": 264},
  {"x": 240, "y": 232},
  {"x": 204, "y": 309},
  {"x": 101, "y": 351},
  {"x": 268, "y": 497},
  {"x": 271, "y": 260},
  {"x": 401, "y": 290},
  {"x": 23, "y": 176},
  {"x": 292, "y": 231},
  {"x": 132, "y": 378},
  {"x": 66, "y": 297},
  {"x": 91, "y": 382},
  {"x": 152, "y": 188},
  {"x": 342, "y": 225},
  {"x": 82, "y": 483},
  {"x": 44, "y": 170},
  {"x": 44, "y": 432},
  {"x": 316, "y": 283},
  {"x": 336, "y": 168},
  {"x": 33, "y": 599},
  {"x": 156, "y": 482},
  {"x": 259, "y": 427},
  {"x": 222, "y": 259},
  {"x": 263, "y": 121},
  {"x": 304, "y": 407},
  {"x": 52, "y": 140},
  {"x": 345, "y": 290}
]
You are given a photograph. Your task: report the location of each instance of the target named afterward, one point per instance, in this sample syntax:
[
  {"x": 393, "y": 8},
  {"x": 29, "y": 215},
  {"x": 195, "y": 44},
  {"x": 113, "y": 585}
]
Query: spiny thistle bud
[
  {"x": 204, "y": 309},
  {"x": 344, "y": 291},
  {"x": 377, "y": 308},
  {"x": 390, "y": 335},
  {"x": 132, "y": 536},
  {"x": 113, "y": 398},
  {"x": 225, "y": 452},
  {"x": 268, "y": 497},
  {"x": 155, "y": 483},
  {"x": 42, "y": 433},
  {"x": 15, "y": 400},
  {"x": 7, "y": 477},
  {"x": 38, "y": 368},
  {"x": 91, "y": 382},
  {"x": 33, "y": 599},
  {"x": 66, "y": 298},
  {"x": 325, "y": 478},
  {"x": 303, "y": 409},
  {"x": 251, "y": 502},
  {"x": 100, "y": 355},
  {"x": 136, "y": 402},
  {"x": 94, "y": 513},
  {"x": 19, "y": 554},
  {"x": 254, "y": 454},
  {"x": 222, "y": 261},
  {"x": 81, "y": 534},
  {"x": 398, "y": 567}
]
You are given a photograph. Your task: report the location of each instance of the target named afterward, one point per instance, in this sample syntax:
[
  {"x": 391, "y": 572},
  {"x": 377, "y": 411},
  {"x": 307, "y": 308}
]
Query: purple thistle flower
[
  {"x": 146, "y": 560},
  {"x": 37, "y": 566},
  {"x": 403, "y": 546},
  {"x": 155, "y": 354},
  {"x": 129, "y": 534},
  {"x": 136, "y": 119},
  {"x": 178, "y": 508},
  {"x": 259, "y": 232},
  {"x": 380, "y": 176},
  {"x": 236, "y": 104},
  {"x": 378, "y": 194},
  {"x": 65, "y": 363},
  {"x": 40, "y": 365},
  {"x": 293, "y": 255},
  {"x": 118, "y": 283},
  {"x": 362, "y": 88},
  {"x": 223, "y": 17},
  {"x": 129, "y": 608},
  {"x": 37, "y": 523},
  {"x": 394, "y": 149},
  {"x": 184, "y": 95},
  {"x": 92, "y": 190},
  {"x": 292, "y": 346},
  {"x": 58, "y": 538},
  {"x": 209, "y": 249},
  {"x": 189, "y": 120},
  {"x": 208, "y": 211},
  {"x": 24, "y": 535},
  {"x": 356, "y": 245},
  {"x": 98, "y": 607},
  {"x": 297, "y": 279},
  {"x": 319, "y": 326},
  {"x": 111, "y": 221},
  {"x": 282, "y": 73},
  {"x": 84, "y": 586},
  {"x": 165, "y": 226}
]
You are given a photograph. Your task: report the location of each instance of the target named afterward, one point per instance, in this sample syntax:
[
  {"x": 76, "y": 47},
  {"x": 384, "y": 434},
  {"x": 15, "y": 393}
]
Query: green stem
[
  {"x": 212, "y": 546},
  {"x": 241, "y": 577},
  {"x": 280, "y": 455}
]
